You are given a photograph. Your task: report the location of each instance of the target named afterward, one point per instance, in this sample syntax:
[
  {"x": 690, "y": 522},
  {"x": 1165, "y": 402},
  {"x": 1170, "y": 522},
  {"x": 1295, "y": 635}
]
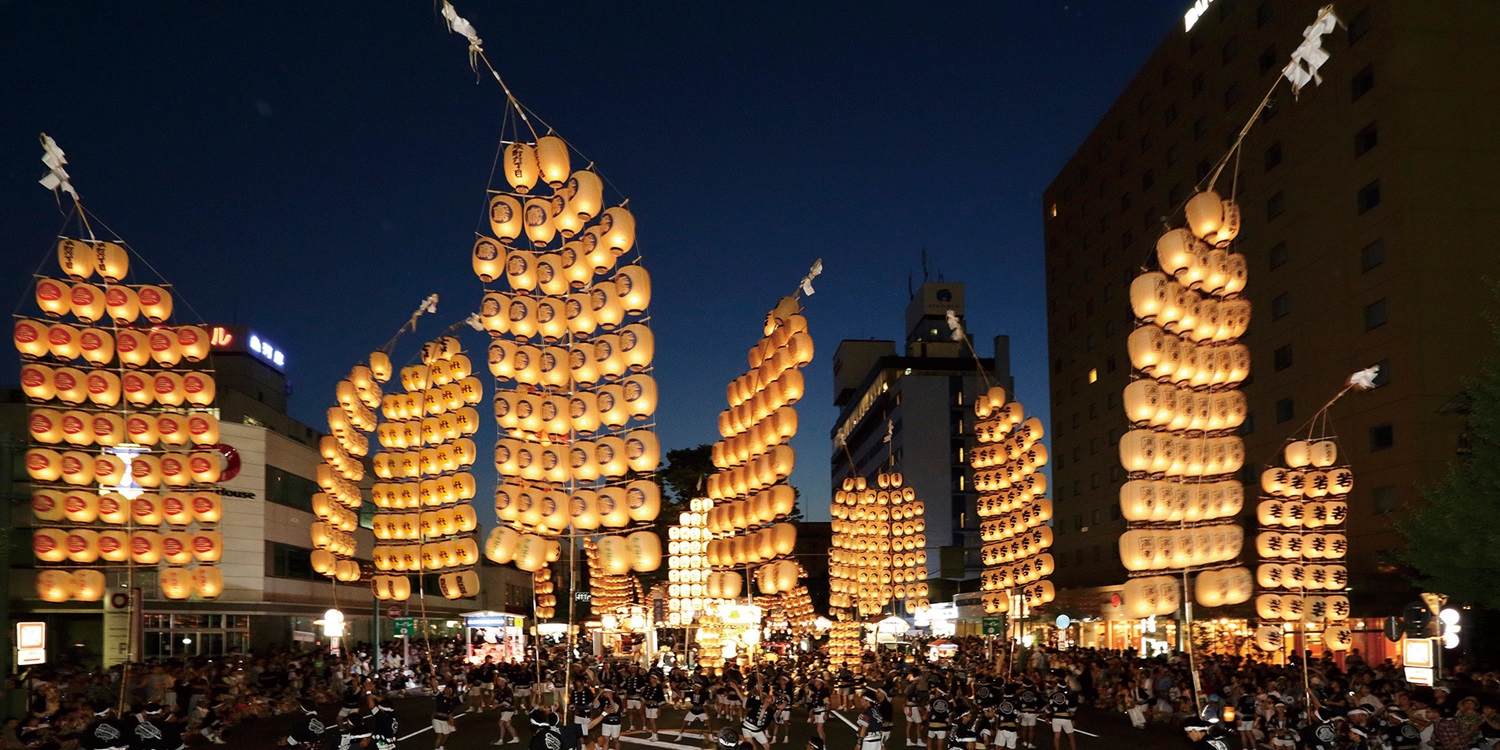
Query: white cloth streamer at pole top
[
  {"x": 1364, "y": 380},
  {"x": 460, "y": 25},
  {"x": 817, "y": 268},
  {"x": 955, "y": 327},
  {"x": 56, "y": 178},
  {"x": 1310, "y": 55}
]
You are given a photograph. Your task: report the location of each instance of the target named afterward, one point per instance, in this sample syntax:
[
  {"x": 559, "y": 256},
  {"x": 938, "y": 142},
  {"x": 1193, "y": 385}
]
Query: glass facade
[{"x": 177, "y": 636}]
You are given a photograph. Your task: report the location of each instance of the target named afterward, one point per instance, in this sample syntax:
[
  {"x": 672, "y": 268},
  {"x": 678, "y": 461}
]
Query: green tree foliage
[{"x": 1453, "y": 541}]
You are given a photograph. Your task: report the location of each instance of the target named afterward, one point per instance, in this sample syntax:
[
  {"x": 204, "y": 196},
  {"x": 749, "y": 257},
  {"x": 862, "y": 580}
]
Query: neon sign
[
  {"x": 267, "y": 351},
  {"x": 220, "y": 336}
]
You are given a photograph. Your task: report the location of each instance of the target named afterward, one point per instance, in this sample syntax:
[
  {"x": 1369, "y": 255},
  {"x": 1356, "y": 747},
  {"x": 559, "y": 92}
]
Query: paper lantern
[
  {"x": 644, "y": 551},
  {"x": 103, "y": 388},
  {"x": 156, "y": 303},
  {"x": 208, "y": 581},
  {"x": 88, "y": 585},
  {"x": 114, "y": 546},
  {"x": 44, "y": 464},
  {"x": 585, "y": 192},
  {"x": 206, "y": 546},
  {"x": 30, "y": 337},
  {"x": 538, "y": 215},
  {"x": 552, "y": 160},
  {"x": 198, "y": 388},
  {"x": 521, "y": 168},
  {"x": 207, "y": 507},
  {"x": 70, "y": 385},
  {"x": 111, "y": 261},
  {"x": 459, "y": 585},
  {"x": 619, "y": 229},
  {"x": 175, "y": 582},
  {"x": 52, "y": 296},
  {"x": 62, "y": 341},
  {"x": 36, "y": 382},
  {"x": 500, "y": 546},
  {"x": 122, "y": 304},
  {"x": 145, "y": 547},
  {"x": 177, "y": 548},
  {"x": 192, "y": 343},
  {"x": 96, "y": 346},
  {"x": 54, "y": 585}
]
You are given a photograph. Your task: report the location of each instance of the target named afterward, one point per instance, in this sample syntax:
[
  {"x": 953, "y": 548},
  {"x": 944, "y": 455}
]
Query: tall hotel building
[
  {"x": 1366, "y": 202},
  {"x": 923, "y": 398}
]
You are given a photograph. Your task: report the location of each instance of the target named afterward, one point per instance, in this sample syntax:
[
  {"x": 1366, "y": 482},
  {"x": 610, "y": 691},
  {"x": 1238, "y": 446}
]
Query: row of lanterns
[
  {"x": 1012, "y": 506},
  {"x": 1159, "y": 299},
  {"x": 600, "y": 360},
  {"x": 1171, "y": 359},
  {"x": 844, "y": 647},
  {"x": 608, "y": 457},
  {"x": 794, "y": 608},
  {"x": 116, "y": 479},
  {"x": 107, "y": 429},
  {"x": 754, "y": 457},
  {"x": 610, "y": 406},
  {"x": 136, "y": 348},
  {"x": 611, "y": 587},
  {"x": 543, "y": 591},
  {"x": 146, "y": 509},
  {"x": 1152, "y": 404},
  {"x": 1166, "y": 500},
  {"x": 529, "y": 552},
  {"x": 540, "y": 506},
  {"x": 561, "y": 314},
  {"x": 108, "y": 389},
  {"x": 343, "y": 452},
  {"x": 148, "y": 470},
  {"x": 1158, "y": 452},
  {"x": 1176, "y": 548}
]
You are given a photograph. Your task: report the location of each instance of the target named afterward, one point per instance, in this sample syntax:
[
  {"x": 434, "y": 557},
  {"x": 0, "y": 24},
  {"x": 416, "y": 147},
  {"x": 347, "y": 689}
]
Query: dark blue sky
[{"x": 313, "y": 169}]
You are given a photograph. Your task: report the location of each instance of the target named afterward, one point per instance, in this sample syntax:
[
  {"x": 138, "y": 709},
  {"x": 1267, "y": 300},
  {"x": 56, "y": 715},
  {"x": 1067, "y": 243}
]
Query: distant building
[
  {"x": 923, "y": 399},
  {"x": 1360, "y": 206}
]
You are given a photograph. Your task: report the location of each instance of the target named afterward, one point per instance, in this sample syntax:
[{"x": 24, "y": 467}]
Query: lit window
[
  {"x": 1093, "y": 375},
  {"x": 1054, "y": 210}
]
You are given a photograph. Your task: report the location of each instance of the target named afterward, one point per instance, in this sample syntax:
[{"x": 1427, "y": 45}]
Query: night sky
[{"x": 314, "y": 169}]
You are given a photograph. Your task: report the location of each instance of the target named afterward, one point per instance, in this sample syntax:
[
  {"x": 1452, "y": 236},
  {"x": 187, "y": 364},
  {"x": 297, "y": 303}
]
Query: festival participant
[
  {"x": 309, "y": 729},
  {"x": 382, "y": 725},
  {"x": 154, "y": 732},
  {"x": 445, "y": 705},
  {"x": 757, "y": 716},
  {"x": 105, "y": 731},
  {"x": 698, "y": 698},
  {"x": 781, "y": 712},
  {"x": 1062, "y": 704},
  {"x": 1007, "y": 716},
  {"x": 653, "y": 695},
  {"x": 869, "y": 723},
  {"x": 611, "y": 713},
  {"x": 917, "y": 695},
  {"x": 1030, "y": 700},
  {"x": 1198, "y": 734},
  {"x": 939, "y": 711},
  {"x": 505, "y": 699}
]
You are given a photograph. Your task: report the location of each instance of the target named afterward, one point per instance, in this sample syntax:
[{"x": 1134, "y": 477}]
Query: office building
[
  {"x": 1362, "y": 220},
  {"x": 922, "y": 400}
]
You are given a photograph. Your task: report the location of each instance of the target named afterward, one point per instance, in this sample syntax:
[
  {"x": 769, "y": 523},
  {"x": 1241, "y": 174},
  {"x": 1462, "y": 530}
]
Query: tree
[{"x": 1453, "y": 541}]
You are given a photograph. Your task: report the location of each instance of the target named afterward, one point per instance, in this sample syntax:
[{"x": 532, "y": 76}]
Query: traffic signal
[{"x": 1417, "y": 621}]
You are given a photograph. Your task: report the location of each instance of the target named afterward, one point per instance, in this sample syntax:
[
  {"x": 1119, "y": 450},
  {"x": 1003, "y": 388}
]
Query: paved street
[{"x": 477, "y": 731}]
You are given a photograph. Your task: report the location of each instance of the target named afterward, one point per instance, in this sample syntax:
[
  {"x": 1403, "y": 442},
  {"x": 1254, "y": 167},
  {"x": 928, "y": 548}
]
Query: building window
[
  {"x": 1275, "y": 205},
  {"x": 1286, "y": 410},
  {"x": 1228, "y": 51},
  {"x": 1361, "y": 83},
  {"x": 1372, "y": 255},
  {"x": 286, "y": 488},
  {"x": 1148, "y": 178},
  {"x": 1200, "y": 126},
  {"x": 1093, "y": 445},
  {"x": 1093, "y": 409},
  {"x": 1196, "y": 87},
  {"x": 1174, "y": 152},
  {"x": 1094, "y": 375},
  {"x": 1202, "y": 170},
  {"x": 1232, "y": 95},
  {"x": 1109, "y": 363},
  {"x": 1376, "y": 315},
  {"x": 1369, "y": 197},
  {"x": 1365, "y": 139},
  {"x": 1359, "y": 26},
  {"x": 1168, "y": 74},
  {"x": 1195, "y": 43},
  {"x": 1273, "y": 156},
  {"x": 1383, "y": 375},
  {"x": 1278, "y": 255},
  {"x": 1096, "y": 553},
  {"x": 1281, "y": 306},
  {"x": 1114, "y": 511},
  {"x": 1383, "y": 499},
  {"x": 1125, "y": 203},
  {"x": 288, "y": 561},
  {"x": 1268, "y": 59},
  {"x": 1282, "y": 357},
  {"x": 1247, "y": 427},
  {"x": 1171, "y": 114},
  {"x": 1382, "y": 436}
]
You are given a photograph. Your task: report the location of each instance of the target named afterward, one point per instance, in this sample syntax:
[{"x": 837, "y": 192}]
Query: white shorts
[
  {"x": 783, "y": 717},
  {"x": 442, "y": 726},
  {"x": 937, "y": 734},
  {"x": 632, "y": 703},
  {"x": 872, "y": 742},
  {"x": 913, "y": 713},
  {"x": 609, "y": 730},
  {"x": 1005, "y": 738},
  {"x": 1247, "y": 726},
  {"x": 583, "y": 724},
  {"x": 506, "y": 714},
  {"x": 523, "y": 692},
  {"x": 1028, "y": 720},
  {"x": 756, "y": 736},
  {"x": 817, "y": 716},
  {"x": 653, "y": 711},
  {"x": 694, "y": 715},
  {"x": 1062, "y": 725}
]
